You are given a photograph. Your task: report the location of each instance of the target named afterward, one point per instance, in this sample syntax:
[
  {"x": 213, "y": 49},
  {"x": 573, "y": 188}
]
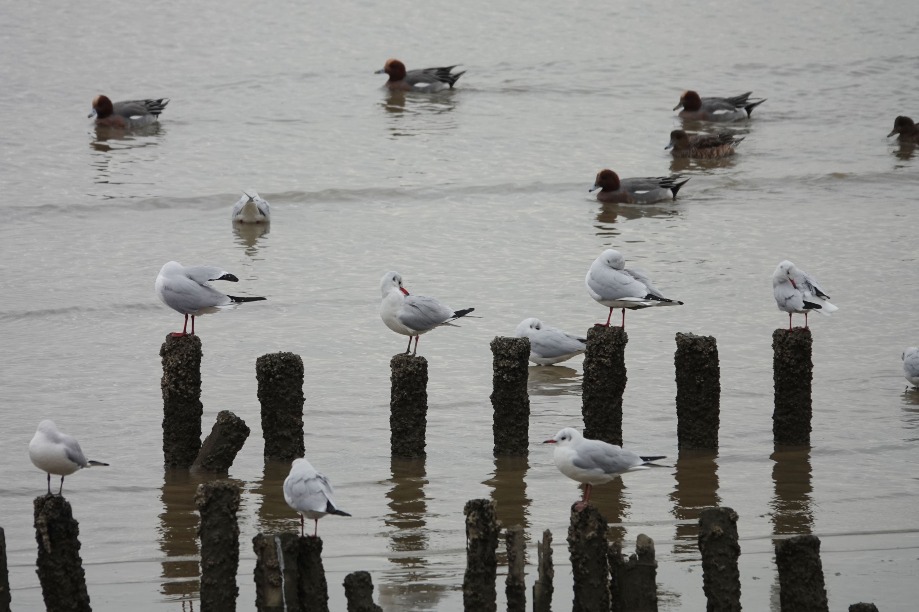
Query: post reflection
[
  {"x": 274, "y": 515},
  {"x": 509, "y": 491},
  {"x": 553, "y": 380},
  {"x": 696, "y": 488},
  {"x": 791, "y": 507},
  {"x": 178, "y": 535},
  {"x": 611, "y": 501},
  {"x": 248, "y": 235}
]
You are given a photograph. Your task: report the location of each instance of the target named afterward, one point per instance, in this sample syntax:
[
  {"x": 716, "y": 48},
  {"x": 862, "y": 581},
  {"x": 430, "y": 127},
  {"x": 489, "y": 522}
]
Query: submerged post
[
  {"x": 792, "y": 372},
  {"x": 604, "y": 383},
  {"x": 698, "y": 391},
  {"x": 408, "y": 405},
  {"x": 218, "y": 531},
  {"x": 720, "y": 552},
  {"x": 589, "y": 564},
  {"x": 545, "y": 574},
  {"x": 182, "y": 408},
  {"x": 863, "y": 607},
  {"x": 509, "y": 397},
  {"x": 313, "y": 589},
  {"x": 359, "y": 593},
  {"x": 276, "y": 587},
  {"x": 5, "y": 597},
  {"x": 223, "y": 443},
  {"x": 801, "y": 585},
  {"x": 280, "y": 392},
  {"x": 633, "y": 582},
  {"x": 515, "y": 585},
  {"x": 479, "y": 590},
  {"x": 60, "y": 568}
]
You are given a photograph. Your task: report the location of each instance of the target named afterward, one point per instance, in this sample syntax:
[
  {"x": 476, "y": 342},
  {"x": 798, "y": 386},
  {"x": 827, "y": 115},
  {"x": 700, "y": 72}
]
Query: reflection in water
[
  {"x": 610, "y": 500},
  {"x": 682, "y": 164},
  {"x": 110, "y": 140},
  {"x": 509, "y": 491},
  {"x": 274, "y": 515},
  {"x": 906, "y": 150},
  {"x": 404, "y": 110},
  {"x": 911, "y": 412},
  {"x": 791, "y": 508},
  {"x": 611, "y": 213},
  {"x": 248, "y": 234},
  {"x": 178, "y": 535},
  {"x": 553, "y": 380},
  {"x": 696, "y": 488}
]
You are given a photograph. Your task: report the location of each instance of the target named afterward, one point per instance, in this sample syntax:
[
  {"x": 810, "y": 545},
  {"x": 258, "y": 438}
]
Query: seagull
[
  {"x": 911, "y": 365},
  {"x": 186, "y": 289},
  {"x": 412, "y": 315},
  {"x": 57, "y": 453},
  {"x": 610, "y": 283},
  {"x": 309, "y": 493},
  {"x": 251, "y": 209},
  {"x": 797, "y": 291},
  {"x": 593, "y": 462},
  {"x": 548, "y": 344}
]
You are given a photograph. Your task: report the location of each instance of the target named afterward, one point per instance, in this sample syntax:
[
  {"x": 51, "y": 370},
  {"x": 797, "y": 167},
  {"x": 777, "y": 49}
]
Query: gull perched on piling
[
  {"x": 548, "y": 344},
  {"x": 797, "y": 291},
  {"x": 593, "y": 462},
  {"x": 186, "y": 289},
  {"x": 911, "y": 365},
  {"x": 610, "y": 283},
  {"x": 412, "y": 315},
  {"x": 57, "y": 453},
  {"x": 251, "y": 209},
  {"x": 309, "y": 493}
]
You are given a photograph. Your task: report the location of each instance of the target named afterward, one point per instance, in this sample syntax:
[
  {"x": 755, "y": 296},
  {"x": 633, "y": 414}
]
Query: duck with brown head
[
  {"x": 636, "y": 190},
  {"x": 736, "y": 108},
  {"x": 427, "y": 80},
  {"x": 127, "y": 114}
]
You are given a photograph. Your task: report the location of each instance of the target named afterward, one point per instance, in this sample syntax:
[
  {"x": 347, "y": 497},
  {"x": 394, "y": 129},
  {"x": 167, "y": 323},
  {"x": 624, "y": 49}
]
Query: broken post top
[{"x": 511, "y": 348}]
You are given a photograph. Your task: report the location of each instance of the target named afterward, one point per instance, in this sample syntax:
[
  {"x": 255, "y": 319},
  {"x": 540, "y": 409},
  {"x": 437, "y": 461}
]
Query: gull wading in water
[
  {"x": 187, "y": 289},
  {"x": 57, "y": 453},
  {"x": 911, "y": 365},
  {"x": 309, "y": 493},
  {"x": 610, "y": 283},
  {"x": 549, "y": 345},
  {"x": 593, "y": 462},
  {"x": 412, "y": 315},
  {"x": 251, "y": 209},
  {"x": 797, "y": 291}
]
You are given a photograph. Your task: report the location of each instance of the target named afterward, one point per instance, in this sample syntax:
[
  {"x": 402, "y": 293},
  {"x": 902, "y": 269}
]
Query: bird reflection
[
  {"x": 682, "y": 164},
  {"x": 905, "y": 151},
  {"x": 412, "y": 114},
  {"x": 178, "y": 534},
  {"x": 610, "y": 500},
  {"x": 611, "y": 213},
  {"x": 274, "y": 515},
  {"x": 791, "y": 507},
  {"x": 553, "y": 380},
  {"x": 109, "y": 140},
  {"x": 910, "y": 415},
  {"x": 248, "y": 234},
  {"x": 696, "y": 488}
]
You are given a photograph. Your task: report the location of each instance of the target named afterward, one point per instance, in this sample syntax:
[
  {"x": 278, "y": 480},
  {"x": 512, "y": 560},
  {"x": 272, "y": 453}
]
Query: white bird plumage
[
  {"x": 251, "y": 209},
  {"x": 56, "y": 453},
  {"x": 796, "y": 291},
  {"x": 611, "y": 284},
  {"x": 911, "y": 365},
  {"x": 309, "y": 493},
  {"x": 548, "y": 344}
]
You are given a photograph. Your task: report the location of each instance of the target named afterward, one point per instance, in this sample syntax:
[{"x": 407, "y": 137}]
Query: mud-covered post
[
  {"x": 5, "y": 597},
  {"x": 280, "y": 392},
  {"x": 545, "y": 574},
  {"x": 509, "y": 396},
  {"x": 313, "y": 589},
  {"x": 863, "y": 607},
  {"x": 633, "y": 581},
  {"x": 604, "y": 383},
  {"x": 801, "y": 585},
  {"x": 218, "y": 532},
  {"x": 479, "y": 590},
  {"x": 223, "y": 443},
  {"x": 359, "y": 593},
  {"x": 718, "y": 543},
  {"x": 408, "y": 405},
  {"x": 587, "y": 546},
  {"x": 276, "y": 584},
  {"x": 792, "y": 373},
  {"x": 182, "y": 408},
  {"x": 515, "y": 586},
  {"x": 698, "y": 391},
  {"x": 60, "y": 568}
]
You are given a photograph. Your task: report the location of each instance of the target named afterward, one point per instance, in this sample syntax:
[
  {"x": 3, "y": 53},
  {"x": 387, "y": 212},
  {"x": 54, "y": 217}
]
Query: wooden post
[
  {"x": 801, "y": 585},
  {"x": 718, "y": 543},
  {"x": 280, "y": 392},
  {"x": 587, "y": 546},
  {"x": 543, "y": 587},
  {"x": 698, "y": 391},
  {"x": 60, "y": 568},
  {"x": 313, "y": 589},
  {"x": 5, "y": 597},
  {"x": 359, "y": 593},
  {"x": 408, "y": 405},
  {"x": 223, "y": 443},
  {"x": 792, "y": 372},
  {"x": 604, "y": 383},
  {"x": 276, "y": 584},
  {"x": 479, "y": 590},
  {"x": 633, "y": 581},
  {"x": 515, "y": 585},
  {"x": 219, "y": 534},
  {"x": 182, "y": 408},
  {"x": 509, "y": 397}
]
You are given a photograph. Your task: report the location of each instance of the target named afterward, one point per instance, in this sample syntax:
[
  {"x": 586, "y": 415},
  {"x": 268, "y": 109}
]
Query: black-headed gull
[
  {"x": 57, "y": 453},
  {"x": 186, "y": 289},
  {"x": 548, "y": 344},
  {"x": 593, "y": 462},
  {"x": 911, "y": 365},
  {"x": 797, "y": 291},
  {"x": 610, "y": 283},
  {"x": 251, "y": 209},
  {"x": 412, "y": 315},
  {"x": 309, "y": 493}
]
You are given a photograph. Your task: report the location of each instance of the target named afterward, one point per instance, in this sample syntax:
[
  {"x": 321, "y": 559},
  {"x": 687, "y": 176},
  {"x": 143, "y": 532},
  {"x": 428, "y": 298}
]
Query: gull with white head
[
  {"x": 610, "y": 283},
  {"x": 549, "y": 345},
  {"x": 57, "y": 453},
  {"x": 796, "y": 291},
  {"x": 251, "y": 209},
  {"x": 310, "y": 494}
]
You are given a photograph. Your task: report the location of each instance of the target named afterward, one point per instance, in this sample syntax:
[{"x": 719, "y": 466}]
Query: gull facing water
[
  {"x": 610, "y": 283},
  {"x": 911, "y": 365},
  {"x": 309, "y": 493},
  {"x": 251, "y": 209},
  {"x": 549, "y": 345},
  {"x": 797, "y": 291},
  {"x": 57, "y": 453}
]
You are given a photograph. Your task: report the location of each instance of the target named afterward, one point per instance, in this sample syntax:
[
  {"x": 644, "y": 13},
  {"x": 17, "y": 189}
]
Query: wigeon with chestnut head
[
  {"x": 636, "y": 190},
  {"x": 907, "y": 130},
  {"x": 421, "y": 80},
  {"x": 702, "y": 146},
  {"x": 127, "y": 114},
  {"x": 736, "y": 108}
]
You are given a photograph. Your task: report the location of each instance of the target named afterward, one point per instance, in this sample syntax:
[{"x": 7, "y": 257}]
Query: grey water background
[{"x": 478, "y": 197}]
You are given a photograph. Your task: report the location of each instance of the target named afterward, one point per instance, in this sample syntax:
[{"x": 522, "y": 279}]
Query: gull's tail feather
[
  {"x": 91, "y": 462},
  {"x": 240, "y": 300},
  {"x": 461, "y": 313},
  {"x": 652, "y": 458}
]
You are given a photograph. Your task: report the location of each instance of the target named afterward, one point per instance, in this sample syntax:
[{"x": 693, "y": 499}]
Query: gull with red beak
[{"x": 797, "y": 291}]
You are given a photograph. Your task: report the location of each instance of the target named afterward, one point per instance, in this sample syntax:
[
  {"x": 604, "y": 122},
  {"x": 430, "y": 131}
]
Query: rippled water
[{"x": 478, "y": 197}]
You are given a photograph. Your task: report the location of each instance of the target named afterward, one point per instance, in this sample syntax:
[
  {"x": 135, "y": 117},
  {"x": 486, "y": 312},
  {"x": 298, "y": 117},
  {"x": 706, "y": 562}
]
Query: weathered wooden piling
[
  {"x": 720, "y": 550},
  {"x": 587, "y": 546},
  {"x": 633, "y": 581},
  {"x": 604, "y": 383},
  {"x": 792, "y": 373},
  {"x": 218, "y": 531},
  {"x": 515, "y": 585},
  {"x": 359, "y": 593},
  {"x": 408, "y": 405},
  {"x": 545, "y": 574},
  {"x": 223, "y": 443},
  {"x": 276, "y": 584},
  {"x": 801, "y": 585},
  {"x": 182, "y": 408},
  {"x": 280, "y": 392},
  {"x": 5, "y": 596},
  {"x": 479, "y": 590},
  {"x": 698, "y": 391},
  {"x": 863, "y": 607},
  {"x": 313, "y": 589},
  {"x": 60, "y": 568},
  {"x": 509, "y": 396}
]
